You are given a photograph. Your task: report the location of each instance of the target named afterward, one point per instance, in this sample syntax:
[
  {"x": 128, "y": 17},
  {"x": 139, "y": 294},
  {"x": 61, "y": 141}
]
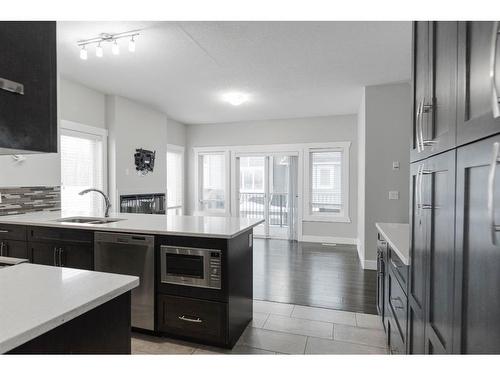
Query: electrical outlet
[
  {"x": 395, "y": 165},
  {"x": 394, "y": 195}
]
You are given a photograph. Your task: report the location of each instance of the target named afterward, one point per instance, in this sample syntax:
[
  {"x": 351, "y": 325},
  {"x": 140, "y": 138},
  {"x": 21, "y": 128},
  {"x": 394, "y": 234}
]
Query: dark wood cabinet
[
  {"x": 439, "y": 207},
  {"x": 61, "y": 247},
  {"x": 398, "y": 309},
  {"x": 478, "y": 81},
  {"x": 381, "y": 275},
  {"x": 432, "y": 254},
  {"x": 62, "y": 254},
  {"x": 14, "y": 249},
  {"x": 193, "y": 318},
  {"x": 28, "y": 119},
  {"x": 13, "y": 241},
  {"x": 421, "y": 82},
  {"x": 453, "y": 303},
  {"x": 44, "y": 253},
  {"x": 210, "y": 316},
  {"x": 434, "y": 84},
  {"x": 418, "y": 264},
  {"x": 477, "y": 266}
]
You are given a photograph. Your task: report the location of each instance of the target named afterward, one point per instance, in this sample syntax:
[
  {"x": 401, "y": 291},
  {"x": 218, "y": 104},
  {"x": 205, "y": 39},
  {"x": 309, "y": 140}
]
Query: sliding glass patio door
[{"x": 267, "y": 189}]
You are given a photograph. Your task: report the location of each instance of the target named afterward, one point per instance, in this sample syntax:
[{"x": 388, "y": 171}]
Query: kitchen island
[
  {"x": 56, "y": 310},
  {"x": 196, "y": 272}
]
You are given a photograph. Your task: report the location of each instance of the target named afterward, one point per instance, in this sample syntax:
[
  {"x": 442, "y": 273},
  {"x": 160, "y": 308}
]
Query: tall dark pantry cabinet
[{"x": 454, "y": 282}]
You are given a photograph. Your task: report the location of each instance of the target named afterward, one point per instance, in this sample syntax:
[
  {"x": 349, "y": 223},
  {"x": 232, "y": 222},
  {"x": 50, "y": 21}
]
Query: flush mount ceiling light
[
  {"x": 107, "y": 38},
  {"x": 235, "y": 98}
]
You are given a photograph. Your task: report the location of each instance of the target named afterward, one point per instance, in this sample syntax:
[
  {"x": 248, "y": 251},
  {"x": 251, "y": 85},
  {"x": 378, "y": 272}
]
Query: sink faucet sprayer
[{"x": 106, "y": 199}]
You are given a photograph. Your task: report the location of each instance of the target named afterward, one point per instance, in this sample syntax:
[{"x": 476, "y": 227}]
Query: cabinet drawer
[
  {"x": 398, "y": 305},
  {"x": 12, "y": 232},
  {"x": 14, "y": 249},
  {"x": 57, "y": 234},
  {"x": 399, "y": 269},
  {"x": 192, "y": 318}
]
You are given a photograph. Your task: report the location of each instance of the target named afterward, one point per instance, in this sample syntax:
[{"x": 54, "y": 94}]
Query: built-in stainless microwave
[{"x": 191, "y": 266}]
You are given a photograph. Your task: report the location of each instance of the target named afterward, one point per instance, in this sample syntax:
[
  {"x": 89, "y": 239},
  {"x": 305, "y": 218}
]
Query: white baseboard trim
[
  {"x": 327, "y": 239},
  {"x": 369, "y": 264}
]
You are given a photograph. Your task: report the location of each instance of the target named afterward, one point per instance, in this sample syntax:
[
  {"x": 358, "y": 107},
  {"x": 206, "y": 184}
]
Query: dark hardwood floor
[{"x": 312, "y": 274}]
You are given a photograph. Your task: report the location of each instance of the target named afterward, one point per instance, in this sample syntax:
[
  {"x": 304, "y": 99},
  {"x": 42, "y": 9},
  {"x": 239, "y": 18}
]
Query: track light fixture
[
  {"x": 98, "y": 50},
  {"x": 107, "y": 38},
  {"x": 83, "y": 53}
]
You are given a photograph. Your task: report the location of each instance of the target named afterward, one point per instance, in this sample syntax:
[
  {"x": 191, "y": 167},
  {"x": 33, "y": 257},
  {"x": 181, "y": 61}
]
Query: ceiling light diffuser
[
  {"x": 83, "y": 53},
  {"x": 235, "y": 98},
  {"x": 115, "y": 48},
  {"x": 98, "y": 50},
  {"x": 131, "y": 45}
]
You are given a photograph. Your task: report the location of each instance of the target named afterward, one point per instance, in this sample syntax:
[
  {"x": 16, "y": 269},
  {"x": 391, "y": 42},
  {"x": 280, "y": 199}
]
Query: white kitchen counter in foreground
[
  {"x": 196, "y": 226},
  {"x": 398, "y": 237},
  {"x": 35, "y": 299}
]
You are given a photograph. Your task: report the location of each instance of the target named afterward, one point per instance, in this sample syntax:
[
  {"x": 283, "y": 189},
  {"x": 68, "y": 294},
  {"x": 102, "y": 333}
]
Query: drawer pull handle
[
  {"x": 400, "y": 305},
  {"x": 191, "y": 320},
  {"x": 4, "y": 231},
  {"x": 494, "y": 227},
  {"x": 11, "y": 86}
]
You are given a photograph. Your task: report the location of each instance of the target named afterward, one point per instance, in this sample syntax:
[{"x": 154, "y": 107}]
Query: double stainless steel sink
[{"x": 88, "y": 220}]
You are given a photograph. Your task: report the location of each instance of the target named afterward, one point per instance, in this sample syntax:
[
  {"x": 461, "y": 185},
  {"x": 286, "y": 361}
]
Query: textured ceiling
[{"x": 290, "y": 69}]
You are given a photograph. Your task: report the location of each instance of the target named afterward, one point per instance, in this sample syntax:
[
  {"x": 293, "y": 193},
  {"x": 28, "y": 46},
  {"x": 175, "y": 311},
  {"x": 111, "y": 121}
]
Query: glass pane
[
  {"x": 213, "y": 181},
  {"x": 326, "y": 182},
  {"x": 81, "y": 168},
  {"x": 174, "y": 183},
  {"x": 252, "y": 189},
  {"x": 279, "y": 189}
]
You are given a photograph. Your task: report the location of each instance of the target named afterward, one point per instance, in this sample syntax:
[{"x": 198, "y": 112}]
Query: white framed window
[
  {"x": 175, "y": 180},
  {"x": 83, "y": 151},
  {"x": 326, "y": 193},
  {"x": 212, "y": 186}
]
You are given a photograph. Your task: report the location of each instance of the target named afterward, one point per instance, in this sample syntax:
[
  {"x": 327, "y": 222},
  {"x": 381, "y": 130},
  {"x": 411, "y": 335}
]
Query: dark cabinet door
[
  {"x": 62, "y": 254},
  {"x": 421, "y": 83},
  {"x": 439, "y": 205},
  {"x": 44, "y": 253},
  {"x": 439, "y": 118},
  {"x": 479, "y": 81},
  {"x": 28, "y": 121},
  {"x": 477, "y": 266},
  {"x": 435, "y": 87},
  {"x": 14, "y": 249},
  {"x": 77, "y": 256},
  {"x": 418, "y": 262}
]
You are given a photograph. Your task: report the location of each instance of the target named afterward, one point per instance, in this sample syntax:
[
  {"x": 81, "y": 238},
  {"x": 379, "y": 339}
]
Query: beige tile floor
[{"x": 279, "y": 328}]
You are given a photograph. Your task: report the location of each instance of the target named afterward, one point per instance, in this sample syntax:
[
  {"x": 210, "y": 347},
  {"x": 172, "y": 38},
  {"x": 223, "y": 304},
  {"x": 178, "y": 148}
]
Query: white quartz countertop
[
  {"x": 196, "y": 226},
  {"x": 398, "y": 237},
  {"x": 35, "y": 299}
]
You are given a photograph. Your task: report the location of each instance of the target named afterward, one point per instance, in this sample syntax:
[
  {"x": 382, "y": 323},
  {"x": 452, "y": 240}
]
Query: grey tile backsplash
[{"x": 20, "y": 200}]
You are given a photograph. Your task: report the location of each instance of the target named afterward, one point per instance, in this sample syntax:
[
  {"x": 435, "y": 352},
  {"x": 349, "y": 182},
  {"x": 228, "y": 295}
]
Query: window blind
[
  {"x": 326, "y": 184},
  {"x": 81, "y": 168}
]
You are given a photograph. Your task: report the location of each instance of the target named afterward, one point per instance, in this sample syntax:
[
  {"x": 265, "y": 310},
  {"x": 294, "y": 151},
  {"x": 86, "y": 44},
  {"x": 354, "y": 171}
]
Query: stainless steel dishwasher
[{"x": 130, "y": 254}]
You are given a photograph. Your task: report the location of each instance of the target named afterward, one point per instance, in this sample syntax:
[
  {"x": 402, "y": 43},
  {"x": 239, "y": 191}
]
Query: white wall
[
  {"x": 387, "y": 123},
  {"x": 132, "y": 125},
  {"x": 76, "y": 103},
  {"x": 303, "y": 130},
  {"x": 176, "y": 133},
  {"x": 361, "y": 176}
]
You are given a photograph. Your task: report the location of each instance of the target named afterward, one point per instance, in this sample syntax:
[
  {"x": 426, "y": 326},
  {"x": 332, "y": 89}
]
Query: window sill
[{"x": 327, "y": 219}]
